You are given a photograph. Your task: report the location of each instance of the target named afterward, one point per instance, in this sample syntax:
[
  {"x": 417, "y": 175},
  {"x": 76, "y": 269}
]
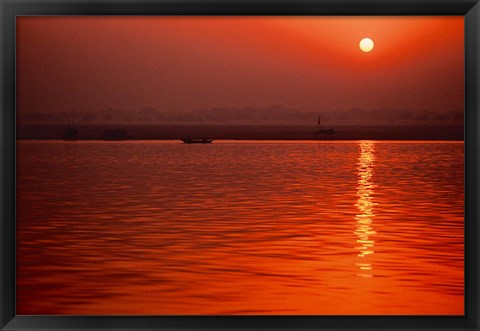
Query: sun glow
[{"x": 366, "y": 45}]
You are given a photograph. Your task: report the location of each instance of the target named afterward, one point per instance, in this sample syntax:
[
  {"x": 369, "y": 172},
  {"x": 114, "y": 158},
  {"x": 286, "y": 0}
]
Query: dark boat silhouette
[
  {"x": 71, "y": 132},
  {"x": 324, "y": 131},
  {"x": 115, "y": 134},
  {"x": 204, "y": 140}
]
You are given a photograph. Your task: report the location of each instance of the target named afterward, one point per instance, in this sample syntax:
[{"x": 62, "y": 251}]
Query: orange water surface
[{"x": 237, "y": 227}]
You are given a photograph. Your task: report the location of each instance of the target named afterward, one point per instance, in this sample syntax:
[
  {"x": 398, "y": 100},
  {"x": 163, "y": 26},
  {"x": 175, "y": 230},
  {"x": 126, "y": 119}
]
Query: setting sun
[{"x": 366, "y": 45}]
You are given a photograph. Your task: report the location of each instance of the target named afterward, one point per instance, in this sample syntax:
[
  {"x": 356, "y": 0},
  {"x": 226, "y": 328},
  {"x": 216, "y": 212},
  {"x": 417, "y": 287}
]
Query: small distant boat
[
  {"x": 323, "y": 131},
  {"x": 71, "y": 132},
  {"x": 115, "y": 134},
  {"x": 204, "y": 140}
]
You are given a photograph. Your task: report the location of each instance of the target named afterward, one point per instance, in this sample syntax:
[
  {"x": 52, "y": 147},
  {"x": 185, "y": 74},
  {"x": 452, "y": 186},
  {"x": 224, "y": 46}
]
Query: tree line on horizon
[{"x": 275, "y": 115}]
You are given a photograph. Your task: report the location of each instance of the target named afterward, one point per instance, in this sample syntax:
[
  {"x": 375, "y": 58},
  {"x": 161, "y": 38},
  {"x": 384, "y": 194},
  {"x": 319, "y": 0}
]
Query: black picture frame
[{"x": 9, "y": 9}]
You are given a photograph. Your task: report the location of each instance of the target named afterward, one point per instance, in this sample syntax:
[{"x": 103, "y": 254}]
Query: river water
[{"x": 240, "y": 227}]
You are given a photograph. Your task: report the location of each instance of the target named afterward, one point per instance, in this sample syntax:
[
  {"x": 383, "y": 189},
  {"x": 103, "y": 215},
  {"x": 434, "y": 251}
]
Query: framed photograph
[{"x": 239, "y": 165}]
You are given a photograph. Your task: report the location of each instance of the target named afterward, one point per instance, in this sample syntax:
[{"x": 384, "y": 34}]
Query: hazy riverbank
[{"x": 261, "y": 132}]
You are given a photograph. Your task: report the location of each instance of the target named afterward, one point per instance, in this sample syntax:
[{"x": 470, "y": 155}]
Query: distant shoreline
[{"x": 248, "y": 132}]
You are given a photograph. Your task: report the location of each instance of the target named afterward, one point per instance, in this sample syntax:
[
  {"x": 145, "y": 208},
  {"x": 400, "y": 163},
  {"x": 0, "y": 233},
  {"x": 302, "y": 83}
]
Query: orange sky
[{"x": 183, "y": 63}]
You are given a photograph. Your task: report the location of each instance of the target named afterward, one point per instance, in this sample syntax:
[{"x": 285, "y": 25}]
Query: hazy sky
[{"x": 183, "y": 63}]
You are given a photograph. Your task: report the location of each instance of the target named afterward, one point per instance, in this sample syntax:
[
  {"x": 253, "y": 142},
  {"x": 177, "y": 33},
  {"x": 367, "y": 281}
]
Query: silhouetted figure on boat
[
  {"x": 115, "y": 134},
  {"x": 71, "y": 132}
]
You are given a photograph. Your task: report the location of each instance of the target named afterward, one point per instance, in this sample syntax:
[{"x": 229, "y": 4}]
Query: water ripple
[{"x": 240, "y": 228}]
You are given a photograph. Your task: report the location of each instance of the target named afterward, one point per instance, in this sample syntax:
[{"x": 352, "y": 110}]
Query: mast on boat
[{"x": 324, "y": 131}]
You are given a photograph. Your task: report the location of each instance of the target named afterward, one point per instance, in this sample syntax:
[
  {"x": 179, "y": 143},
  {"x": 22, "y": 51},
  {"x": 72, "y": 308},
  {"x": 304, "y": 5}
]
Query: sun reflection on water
[{"x": 365, "y": 203}]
